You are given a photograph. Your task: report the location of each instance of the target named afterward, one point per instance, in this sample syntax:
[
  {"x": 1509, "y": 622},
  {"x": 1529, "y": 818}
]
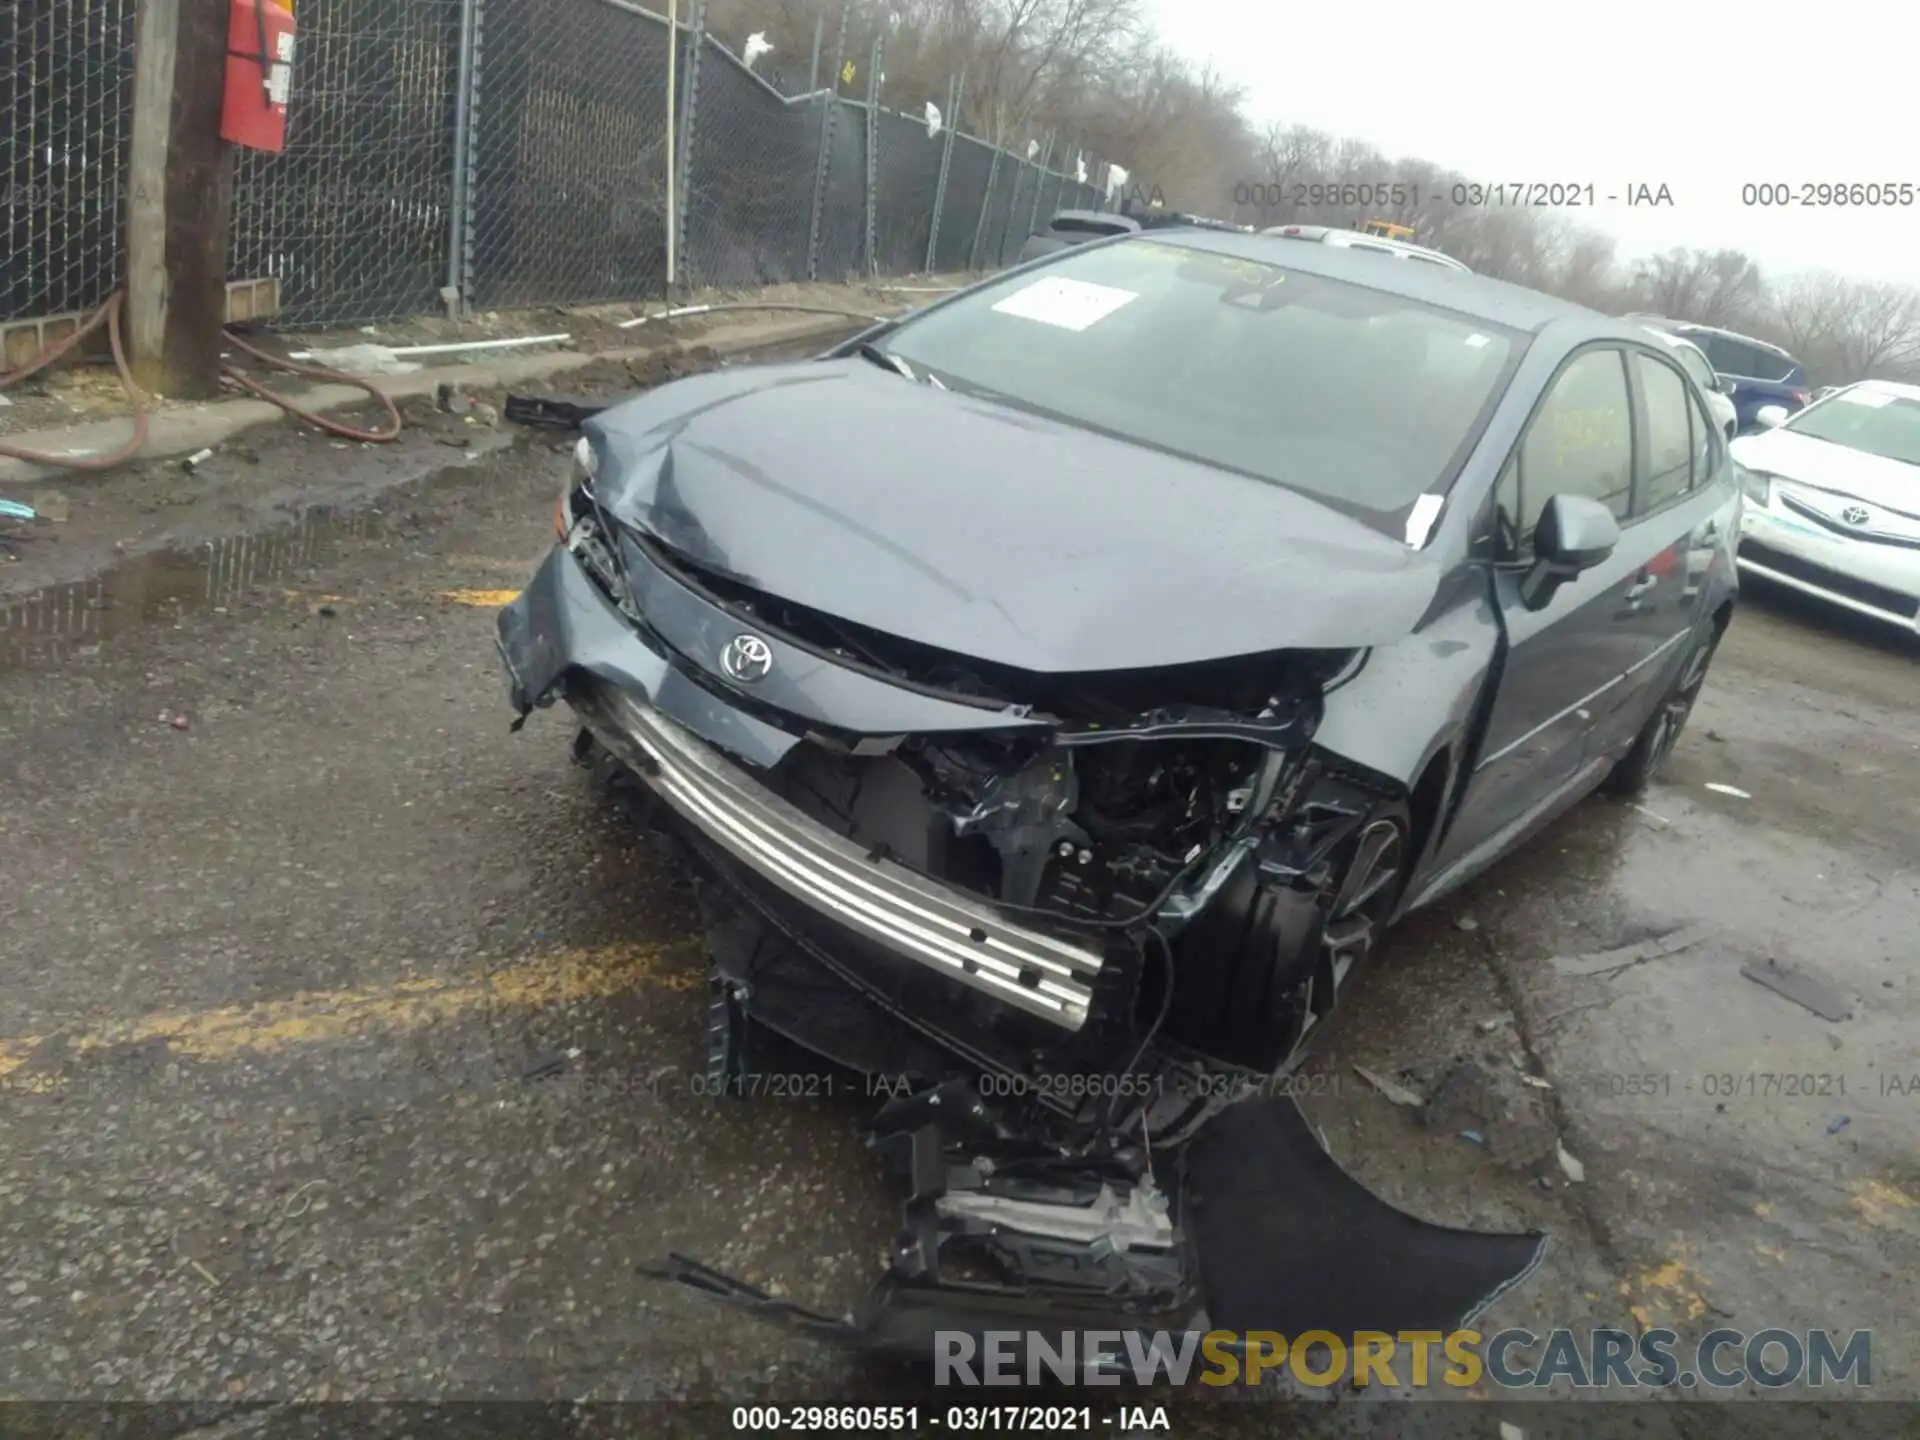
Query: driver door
[{"x": 1567, "y": 662}]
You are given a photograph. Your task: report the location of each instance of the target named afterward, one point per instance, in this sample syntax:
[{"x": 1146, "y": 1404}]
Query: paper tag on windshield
[
  {"x": 1069, "y": 304},
  {"x": 1875, "y": 398}
]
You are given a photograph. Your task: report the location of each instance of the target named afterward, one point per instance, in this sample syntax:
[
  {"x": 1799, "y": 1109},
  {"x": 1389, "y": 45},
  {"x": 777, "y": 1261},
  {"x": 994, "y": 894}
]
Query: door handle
[{"x": 1642, "y": 586}]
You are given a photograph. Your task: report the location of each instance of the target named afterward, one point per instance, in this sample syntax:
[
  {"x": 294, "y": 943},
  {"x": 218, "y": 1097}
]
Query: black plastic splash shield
[{"x": 1277, "y": 1238}]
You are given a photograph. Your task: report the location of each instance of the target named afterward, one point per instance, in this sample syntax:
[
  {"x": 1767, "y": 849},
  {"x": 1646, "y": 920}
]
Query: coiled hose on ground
[{"x": 109, "y": 315}]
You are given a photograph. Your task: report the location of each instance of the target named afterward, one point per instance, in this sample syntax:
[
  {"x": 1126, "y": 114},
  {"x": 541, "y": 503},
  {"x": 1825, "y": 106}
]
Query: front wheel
[
  {"x": 1638, "y": 767},
  {"x": 1260, "y": 971}
]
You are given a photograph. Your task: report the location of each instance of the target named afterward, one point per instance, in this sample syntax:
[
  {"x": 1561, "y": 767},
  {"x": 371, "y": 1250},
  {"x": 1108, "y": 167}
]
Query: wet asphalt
[{"x": 349, "y": 1043}]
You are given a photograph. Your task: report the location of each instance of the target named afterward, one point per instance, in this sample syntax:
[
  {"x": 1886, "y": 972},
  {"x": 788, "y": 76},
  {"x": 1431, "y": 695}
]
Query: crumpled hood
[
  {"x": 1872, "y": 478},
  {"x": 988, "y": 532}
]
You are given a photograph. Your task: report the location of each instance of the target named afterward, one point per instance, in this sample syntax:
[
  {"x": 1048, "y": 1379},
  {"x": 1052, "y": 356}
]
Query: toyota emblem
[
  {"x": 1856, "y": 514},
  {"x": 747, "y": 658}
]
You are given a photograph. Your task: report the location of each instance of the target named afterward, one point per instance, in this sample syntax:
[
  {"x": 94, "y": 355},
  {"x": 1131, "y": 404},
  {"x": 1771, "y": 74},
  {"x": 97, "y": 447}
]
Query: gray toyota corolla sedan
[{"x": 1060, "y": 691}]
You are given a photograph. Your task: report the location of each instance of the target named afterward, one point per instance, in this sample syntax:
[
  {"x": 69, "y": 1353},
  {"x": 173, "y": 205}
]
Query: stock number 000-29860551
[{"x": 1864, "y": 194}]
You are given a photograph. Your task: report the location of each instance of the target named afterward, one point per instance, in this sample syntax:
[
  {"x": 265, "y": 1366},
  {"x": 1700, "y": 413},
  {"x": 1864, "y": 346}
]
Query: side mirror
[
  {"x": 1725, "y": 384},
  {"x": 1574, "y": 534},
  {"x": 1768, "y": 417}
]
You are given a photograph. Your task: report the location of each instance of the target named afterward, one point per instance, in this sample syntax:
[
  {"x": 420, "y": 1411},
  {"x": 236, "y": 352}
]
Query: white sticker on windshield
[
  {"x": 1875, "y": 398},
  {"x": 1420, "y": 519},
  {"x": 1068, "y": 304},
  {"x": 1478, "y": 340}
]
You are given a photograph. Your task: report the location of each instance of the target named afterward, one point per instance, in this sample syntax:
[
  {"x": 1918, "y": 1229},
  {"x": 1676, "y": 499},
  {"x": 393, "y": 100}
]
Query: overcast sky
[{"x": 1701, "y": 97}]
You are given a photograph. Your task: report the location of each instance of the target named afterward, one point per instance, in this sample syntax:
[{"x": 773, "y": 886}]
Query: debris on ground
[
  {"x": 1570, "y": 1167},
  {"x": 453, "y": 400},
  {"x": 194, "y": 461},
  {"x": 1840, "y": 1122},
  {"x": 1473, "y": 1136},
  {"x": 1735, "y": 791},
  {"x": 14, "y": 510},
  {"x": 360, "y": 360},
  {"x": 1809, "y": 991},
  {"x": 1467, "y": 923},
  {"x": 179, "y": 722},
  {"x": 1510, "y": 1431},
  {"x": 1392, "y": 1090},
  {"x": 1602, "y": 962},
  {"x": 1510, "y": 1118}
]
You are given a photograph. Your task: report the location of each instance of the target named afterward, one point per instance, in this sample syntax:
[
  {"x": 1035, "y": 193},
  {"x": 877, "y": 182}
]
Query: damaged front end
[{"x": 1075, "y": 922}]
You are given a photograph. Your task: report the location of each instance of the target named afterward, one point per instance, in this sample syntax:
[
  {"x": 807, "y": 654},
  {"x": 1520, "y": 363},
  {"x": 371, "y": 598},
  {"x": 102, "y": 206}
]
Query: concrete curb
[{"x": 184, "y": 431}]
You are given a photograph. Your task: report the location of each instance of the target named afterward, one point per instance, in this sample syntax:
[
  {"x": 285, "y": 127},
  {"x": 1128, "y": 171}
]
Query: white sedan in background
[
  {"x": 1718, "y": 392},
  {"x": 1833, "y": 500}
]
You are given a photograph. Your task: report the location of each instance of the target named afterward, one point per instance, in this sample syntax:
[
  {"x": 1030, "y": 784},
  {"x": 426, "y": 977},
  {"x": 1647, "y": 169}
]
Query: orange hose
[
  {"x": 312, "y": 372},
  {"x": 109, "y": 314}
]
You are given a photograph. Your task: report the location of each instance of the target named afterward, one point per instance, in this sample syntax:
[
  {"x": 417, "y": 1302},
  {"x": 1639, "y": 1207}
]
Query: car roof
[
  {"x": 1884, "y": 387},
  {"x": 1103, "y": 217},
  {"x": 1664, "y": 323},
  {"x": 1676, "y": 341},
  {"x": 1481, "y": 297},
  {"x": 1324, "y": 233}
]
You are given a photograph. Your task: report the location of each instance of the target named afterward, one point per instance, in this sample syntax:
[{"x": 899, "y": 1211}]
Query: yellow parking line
[
  {"x": 481, "y": 599},
  {"x": 553, "y": 979},
  {"x": 1879, "y": 1202}
]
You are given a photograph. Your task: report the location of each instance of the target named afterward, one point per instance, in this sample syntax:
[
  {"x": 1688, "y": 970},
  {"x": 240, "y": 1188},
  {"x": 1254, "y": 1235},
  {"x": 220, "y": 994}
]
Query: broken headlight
[
  {"x": 585, "y": 468},
  {"x": 1757, "y": 485}
]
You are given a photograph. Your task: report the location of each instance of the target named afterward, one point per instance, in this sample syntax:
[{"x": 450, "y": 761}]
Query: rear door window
[
  {"x": 1669, "y": 432},
  {"x": 1706, "y": 443}
]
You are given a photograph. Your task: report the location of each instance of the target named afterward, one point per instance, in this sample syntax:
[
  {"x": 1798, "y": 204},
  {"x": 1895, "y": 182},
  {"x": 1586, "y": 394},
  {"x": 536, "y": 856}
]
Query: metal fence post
[
  {"x": 460, "y": 220},
  {"x": 986, "y": 204},
  {"x": 830, "y": 103},
  {"x": 813, "y": 66},
  {"x": 683, "y": 162},
  {"x": 1040, "y": 184},
  {"x": 874, "y": 62},
  {"x": 955, "y": 88}
]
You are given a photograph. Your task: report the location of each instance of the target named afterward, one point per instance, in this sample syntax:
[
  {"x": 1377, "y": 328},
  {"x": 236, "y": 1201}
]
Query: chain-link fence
[
  {"x": 569, "y": 111},
  {"x": 66, "y": 101},
  {"x": 514, "y": 153},
  {"x": 352, "y": 218}
]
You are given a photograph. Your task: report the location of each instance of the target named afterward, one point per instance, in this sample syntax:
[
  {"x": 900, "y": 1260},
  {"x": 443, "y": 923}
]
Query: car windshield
[
  {"x": 1361, "y": 398},
  {"x": 1875, "y": 421}
]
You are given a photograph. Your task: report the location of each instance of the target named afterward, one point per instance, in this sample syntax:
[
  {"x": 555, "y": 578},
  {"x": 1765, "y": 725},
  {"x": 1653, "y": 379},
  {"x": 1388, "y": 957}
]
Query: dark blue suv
[{"x": 1762, "y": 374}]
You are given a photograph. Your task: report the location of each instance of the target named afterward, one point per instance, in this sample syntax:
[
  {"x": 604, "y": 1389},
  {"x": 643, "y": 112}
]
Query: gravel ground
[{"x": 348, "y": 1043}]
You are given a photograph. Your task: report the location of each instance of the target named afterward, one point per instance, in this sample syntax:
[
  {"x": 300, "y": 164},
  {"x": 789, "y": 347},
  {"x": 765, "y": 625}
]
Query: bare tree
[{"x": 1718, "y": 287}]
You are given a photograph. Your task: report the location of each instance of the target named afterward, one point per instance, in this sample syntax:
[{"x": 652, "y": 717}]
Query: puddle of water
[{"x": 52, "y": 625}]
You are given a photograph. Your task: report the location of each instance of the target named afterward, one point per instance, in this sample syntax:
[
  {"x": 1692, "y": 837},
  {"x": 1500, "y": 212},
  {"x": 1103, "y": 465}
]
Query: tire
[
  {"x": 1260, "y": 975},
  {"x": 1637, "y": 769}
]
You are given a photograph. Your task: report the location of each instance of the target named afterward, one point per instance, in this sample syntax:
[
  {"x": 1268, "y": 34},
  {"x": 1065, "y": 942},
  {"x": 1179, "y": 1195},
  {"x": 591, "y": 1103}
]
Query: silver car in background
[{"x": 1833, "y": 500}]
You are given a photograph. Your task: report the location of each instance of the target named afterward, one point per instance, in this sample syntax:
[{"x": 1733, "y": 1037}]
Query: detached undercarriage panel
[{"x": 1018, "y": 1219}]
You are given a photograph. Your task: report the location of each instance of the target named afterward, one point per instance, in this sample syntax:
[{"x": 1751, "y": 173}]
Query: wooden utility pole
[{"x": 180, "y": 200}]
